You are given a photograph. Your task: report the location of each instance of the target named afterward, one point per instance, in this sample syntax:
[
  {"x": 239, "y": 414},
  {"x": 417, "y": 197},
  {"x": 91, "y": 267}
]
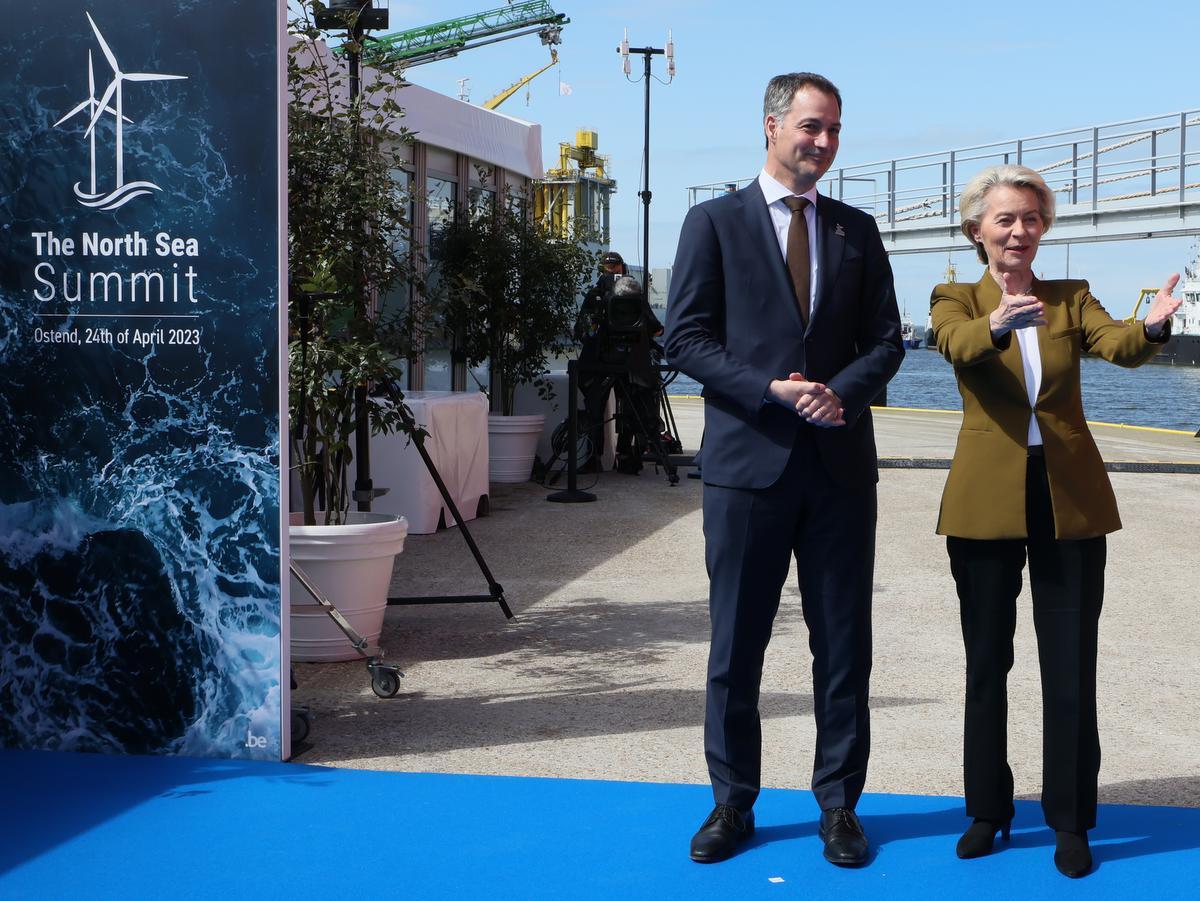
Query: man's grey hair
[
  {"x": 972, "y": 205},
  {"x": 777, "y": 99}
]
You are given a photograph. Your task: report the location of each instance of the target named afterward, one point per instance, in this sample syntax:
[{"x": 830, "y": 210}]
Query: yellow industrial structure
[{"x": 574, "y": 199}]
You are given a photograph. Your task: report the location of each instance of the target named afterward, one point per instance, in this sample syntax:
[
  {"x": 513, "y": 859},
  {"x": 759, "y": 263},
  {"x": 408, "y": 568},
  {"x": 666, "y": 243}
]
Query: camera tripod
[{"x": 658, "y": 449}]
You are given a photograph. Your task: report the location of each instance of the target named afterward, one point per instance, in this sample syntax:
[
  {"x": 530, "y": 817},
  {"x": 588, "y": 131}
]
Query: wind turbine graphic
[
  {"x": 121, "y": 193},
  {"x": 90, "y": 104}
]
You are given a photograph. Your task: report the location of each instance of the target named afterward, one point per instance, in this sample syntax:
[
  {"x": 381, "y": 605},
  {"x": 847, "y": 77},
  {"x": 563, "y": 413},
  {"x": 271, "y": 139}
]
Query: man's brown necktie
[{"x": 797, "y": 254}]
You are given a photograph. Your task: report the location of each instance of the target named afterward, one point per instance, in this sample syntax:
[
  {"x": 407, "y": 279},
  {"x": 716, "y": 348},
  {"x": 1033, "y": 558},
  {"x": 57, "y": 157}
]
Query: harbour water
[{"x": 1165, "y": 397}]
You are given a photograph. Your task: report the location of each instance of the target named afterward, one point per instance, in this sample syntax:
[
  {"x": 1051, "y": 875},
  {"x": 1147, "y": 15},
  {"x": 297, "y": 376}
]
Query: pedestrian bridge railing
[{"x": 1132, "y": 179}]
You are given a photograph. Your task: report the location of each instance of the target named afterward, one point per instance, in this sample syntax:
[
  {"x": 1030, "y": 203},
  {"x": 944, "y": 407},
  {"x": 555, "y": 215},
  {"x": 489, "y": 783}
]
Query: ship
[
  {"x": 1183, "y": 347},
  {"x": 909, "y": 336}
]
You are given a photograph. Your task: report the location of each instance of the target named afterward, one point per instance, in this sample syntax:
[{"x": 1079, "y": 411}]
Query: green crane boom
[{"x": 446, "y": 39}]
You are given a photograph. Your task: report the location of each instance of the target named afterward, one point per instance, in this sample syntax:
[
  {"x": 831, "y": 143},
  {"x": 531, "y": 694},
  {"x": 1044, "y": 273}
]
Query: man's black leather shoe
[
  {"x": 721, "y": 833},
  {"x": 845, "y": 841}
]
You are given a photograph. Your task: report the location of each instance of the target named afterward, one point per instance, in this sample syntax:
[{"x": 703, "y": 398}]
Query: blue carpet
[{"x": 87, "y": 826}]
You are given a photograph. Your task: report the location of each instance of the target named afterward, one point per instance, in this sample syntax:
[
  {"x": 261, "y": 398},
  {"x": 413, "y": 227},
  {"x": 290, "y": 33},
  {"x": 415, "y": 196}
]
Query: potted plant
[
  {"x": 346, "y": 218},
  {"x": 509, "y": 291}
]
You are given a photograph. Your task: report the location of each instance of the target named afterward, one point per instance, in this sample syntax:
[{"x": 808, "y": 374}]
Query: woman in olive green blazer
[{"x": 1027, "y": 482}]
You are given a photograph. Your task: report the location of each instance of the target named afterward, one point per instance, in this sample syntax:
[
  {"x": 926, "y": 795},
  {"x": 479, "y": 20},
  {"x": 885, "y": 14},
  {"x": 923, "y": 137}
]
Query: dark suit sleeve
[
  {"x": 695, "y": 335},
  {"x": 880, "y": 349}
]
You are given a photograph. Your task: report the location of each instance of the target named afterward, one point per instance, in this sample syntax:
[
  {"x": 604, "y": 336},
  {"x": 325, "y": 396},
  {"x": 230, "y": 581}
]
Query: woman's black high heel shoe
[
  {"x": 977, "y": 840},
  {"x": 1072, "y": 855}
]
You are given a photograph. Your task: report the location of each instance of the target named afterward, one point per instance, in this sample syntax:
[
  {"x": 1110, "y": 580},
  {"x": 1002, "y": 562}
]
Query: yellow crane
[
  {"x": 1147, "y": 294},
  {"x": 513, "y": 88}
]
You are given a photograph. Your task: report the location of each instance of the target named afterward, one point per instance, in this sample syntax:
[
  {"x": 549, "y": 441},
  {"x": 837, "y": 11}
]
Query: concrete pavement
[{"x": 601, "y": 674}]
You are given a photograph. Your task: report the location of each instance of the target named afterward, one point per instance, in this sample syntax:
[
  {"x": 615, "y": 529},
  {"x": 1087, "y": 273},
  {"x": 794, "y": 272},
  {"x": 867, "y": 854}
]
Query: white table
[{"x": 458, "y": 445}]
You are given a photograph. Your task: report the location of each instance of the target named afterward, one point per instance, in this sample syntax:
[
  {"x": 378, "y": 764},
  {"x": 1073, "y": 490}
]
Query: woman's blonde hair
[{"x": 972, "y": 205}]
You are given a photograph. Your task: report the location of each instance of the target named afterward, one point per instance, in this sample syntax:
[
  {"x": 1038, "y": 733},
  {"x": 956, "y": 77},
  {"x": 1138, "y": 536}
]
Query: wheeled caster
[
  {"x": 385, "y": 680},
  {"x": 300, "y": 724}
]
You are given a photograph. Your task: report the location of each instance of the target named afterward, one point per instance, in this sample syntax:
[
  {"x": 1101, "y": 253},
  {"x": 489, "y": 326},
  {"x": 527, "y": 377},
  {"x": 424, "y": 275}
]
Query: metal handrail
[
  {"x": 1079, "y": 164},
  {"x": 1026, "y": 142}
]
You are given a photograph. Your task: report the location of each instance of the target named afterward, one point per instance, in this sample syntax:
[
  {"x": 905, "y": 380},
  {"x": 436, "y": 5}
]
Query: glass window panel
[
  {"x": 437, "y": 366},
  {"x": 517, "y": 202},
  {"x": 440, "y": 194},
  {"x": 395, "y": 302},
  {"x": 480, "y": 201}
]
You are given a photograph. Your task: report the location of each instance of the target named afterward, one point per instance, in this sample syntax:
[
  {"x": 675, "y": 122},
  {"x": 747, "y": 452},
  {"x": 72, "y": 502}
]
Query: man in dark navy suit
[{"x": 782, "y": 306}]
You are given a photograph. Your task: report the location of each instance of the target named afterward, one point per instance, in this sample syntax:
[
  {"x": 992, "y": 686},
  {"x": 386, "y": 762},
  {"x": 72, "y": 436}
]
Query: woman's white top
[{"x": 1031, "y": 360}]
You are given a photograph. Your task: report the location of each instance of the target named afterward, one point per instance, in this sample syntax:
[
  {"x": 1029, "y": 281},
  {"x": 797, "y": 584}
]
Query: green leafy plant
[
  {"x": 509, "y": 294},
  {"x": 347, "y": 227}
]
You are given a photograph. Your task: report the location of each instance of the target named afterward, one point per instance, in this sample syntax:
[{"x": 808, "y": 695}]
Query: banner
[{"x": 141, "y": 608}]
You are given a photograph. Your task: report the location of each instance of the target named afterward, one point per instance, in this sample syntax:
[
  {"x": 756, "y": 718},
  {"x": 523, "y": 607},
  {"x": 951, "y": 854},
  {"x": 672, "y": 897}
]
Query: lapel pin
[{"x": 839, "y": 231}]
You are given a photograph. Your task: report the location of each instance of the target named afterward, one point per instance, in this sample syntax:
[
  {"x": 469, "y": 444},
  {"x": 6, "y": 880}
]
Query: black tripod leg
[
  {"x": 493, "y": 586},
  {"x": 496, "y": 592},
  {"x": 669, "y": 418},
  {"x": 655, "y": 441}
]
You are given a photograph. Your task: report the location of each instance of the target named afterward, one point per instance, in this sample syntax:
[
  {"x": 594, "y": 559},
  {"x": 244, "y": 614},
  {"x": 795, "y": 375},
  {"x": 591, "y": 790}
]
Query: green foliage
[
  {"x": 509, "y": 295},
  {"x": 347, "y": 220}
]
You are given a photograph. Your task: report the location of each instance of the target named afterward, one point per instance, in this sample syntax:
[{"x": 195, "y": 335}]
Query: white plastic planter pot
[
  {"x": 352, "y": 566},
  {"x": 512, "y": 445}
]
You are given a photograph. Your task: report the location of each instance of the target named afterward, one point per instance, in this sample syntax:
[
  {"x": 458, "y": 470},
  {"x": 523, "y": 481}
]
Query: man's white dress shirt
[{"x": 781, "y": 218}]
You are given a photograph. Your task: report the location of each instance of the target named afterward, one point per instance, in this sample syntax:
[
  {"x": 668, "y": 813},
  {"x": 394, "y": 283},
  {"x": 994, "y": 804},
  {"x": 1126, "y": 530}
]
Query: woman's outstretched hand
[
  {"x": 1162, "y": 308},
  {"x": 1017, "y": 309}
]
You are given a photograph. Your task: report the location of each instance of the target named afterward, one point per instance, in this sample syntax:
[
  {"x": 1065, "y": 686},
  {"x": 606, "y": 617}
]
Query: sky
[{"x": 915, "y": 77}]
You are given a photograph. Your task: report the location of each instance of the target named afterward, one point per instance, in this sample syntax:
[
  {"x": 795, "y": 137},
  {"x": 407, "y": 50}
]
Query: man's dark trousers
[{"x": 750, "y": 537}]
